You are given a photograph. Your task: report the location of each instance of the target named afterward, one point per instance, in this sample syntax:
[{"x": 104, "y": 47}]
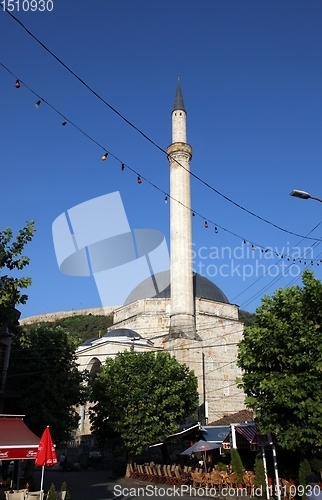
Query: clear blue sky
[{"x": 251, "y": 77}]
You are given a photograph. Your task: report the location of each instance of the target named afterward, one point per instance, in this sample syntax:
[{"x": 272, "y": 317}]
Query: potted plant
[{"x": 52, "y": 492}]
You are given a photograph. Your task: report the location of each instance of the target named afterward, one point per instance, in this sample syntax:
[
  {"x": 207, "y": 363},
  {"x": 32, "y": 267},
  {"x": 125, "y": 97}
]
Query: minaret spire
[
  {"x": 178, "y": 101},
  {"x": 182, "y": 320}
]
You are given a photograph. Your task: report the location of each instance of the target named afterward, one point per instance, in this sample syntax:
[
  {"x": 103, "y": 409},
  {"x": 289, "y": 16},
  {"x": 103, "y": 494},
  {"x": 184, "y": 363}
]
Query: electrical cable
[{"x": 145, "y": 135}]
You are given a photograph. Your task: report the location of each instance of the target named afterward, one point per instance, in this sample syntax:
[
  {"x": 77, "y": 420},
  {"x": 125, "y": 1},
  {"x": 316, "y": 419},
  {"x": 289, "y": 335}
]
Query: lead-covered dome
[
  {"x": 203, "y": 288},
  {"x": 123, "y": 332}
]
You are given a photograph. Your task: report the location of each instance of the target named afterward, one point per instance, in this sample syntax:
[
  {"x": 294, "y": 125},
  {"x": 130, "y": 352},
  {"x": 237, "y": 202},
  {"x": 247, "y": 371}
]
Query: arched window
[
  {"x": 226, "y": 388},
  {"x": 94, "y": 367},
  {"x": 210, "y": 363}
]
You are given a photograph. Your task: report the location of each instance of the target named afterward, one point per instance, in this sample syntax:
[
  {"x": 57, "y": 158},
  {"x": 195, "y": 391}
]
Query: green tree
[
  {"x": 237, "y": 464},
  {"x": 281, "y": 359},
  {"x": 43, "y": 363},
  {"x": 12, "y": 261},
  {"x": 140, "y": 397},
  {"x": 246, "y": 317},
  {"x": 304, "y": 470},
  {"x": 52, "y": 492},
  {"x": 259, "y": 471},
  {"x": 81, "y": 327}
]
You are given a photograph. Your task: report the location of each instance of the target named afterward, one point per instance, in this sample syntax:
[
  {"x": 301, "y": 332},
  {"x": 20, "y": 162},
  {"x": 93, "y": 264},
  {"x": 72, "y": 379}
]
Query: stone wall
[{"x": 54, "y": 316}]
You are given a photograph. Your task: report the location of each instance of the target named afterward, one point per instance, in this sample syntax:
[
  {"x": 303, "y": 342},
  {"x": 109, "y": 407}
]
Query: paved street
[{"x": 99, "y": 485}]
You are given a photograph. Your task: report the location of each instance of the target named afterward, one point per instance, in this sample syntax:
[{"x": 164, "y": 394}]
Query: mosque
[{"x": 191, "y": 318}]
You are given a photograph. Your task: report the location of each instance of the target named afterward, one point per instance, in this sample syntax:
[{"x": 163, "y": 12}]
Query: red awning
[
  {"x": 17, "y": 442},
  {"x": 247, "y": 437},
  {"x": 248, "y": 432}
]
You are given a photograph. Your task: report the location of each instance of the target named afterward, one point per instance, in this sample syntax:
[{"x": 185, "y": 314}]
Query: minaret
[{"x": 182, "y": 320}]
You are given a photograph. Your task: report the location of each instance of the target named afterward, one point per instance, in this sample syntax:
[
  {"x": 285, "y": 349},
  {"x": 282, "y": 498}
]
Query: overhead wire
[
  {"x": 277, "y": 278},
  {"x": 254, "y": 245},
  {"x": 273, "y": 281},
  {"x": 137, "y": 129}
]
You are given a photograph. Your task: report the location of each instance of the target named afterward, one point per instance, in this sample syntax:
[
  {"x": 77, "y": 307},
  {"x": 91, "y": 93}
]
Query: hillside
[{"x": 79, "y": 326}]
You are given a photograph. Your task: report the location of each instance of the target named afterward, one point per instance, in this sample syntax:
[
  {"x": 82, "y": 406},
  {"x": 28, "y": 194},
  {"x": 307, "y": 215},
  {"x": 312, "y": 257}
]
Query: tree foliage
[
  {"x": 81, "y": 327},
  {"x": 237, "y": 464},
  {"x": 246, "y": 317},
  {"x": 281, "y": 359},
  {"x": 12, "y": 260},
  {"x": 43, "y": 369},
  {"x": 140, "y": 397},
  {"x": 260, "y": 481},
  {"x": 304, "y": 470}
]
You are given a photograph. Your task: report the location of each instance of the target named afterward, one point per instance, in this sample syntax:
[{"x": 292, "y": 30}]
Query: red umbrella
[{"x": 46, "y": 454}]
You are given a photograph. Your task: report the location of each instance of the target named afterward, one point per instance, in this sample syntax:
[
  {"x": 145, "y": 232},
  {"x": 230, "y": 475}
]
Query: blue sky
[{"x": 251, "y": 77}]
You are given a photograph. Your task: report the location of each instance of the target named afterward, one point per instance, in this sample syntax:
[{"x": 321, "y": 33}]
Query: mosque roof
[
  {"x": 202, "y": 288},
  {"x": 178, "y": 101},
  {"x": 123, "y": 332}
]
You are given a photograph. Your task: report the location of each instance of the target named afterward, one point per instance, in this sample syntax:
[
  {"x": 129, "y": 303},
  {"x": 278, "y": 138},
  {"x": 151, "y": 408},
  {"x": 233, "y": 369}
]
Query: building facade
[{"x": 191, "y": 318}]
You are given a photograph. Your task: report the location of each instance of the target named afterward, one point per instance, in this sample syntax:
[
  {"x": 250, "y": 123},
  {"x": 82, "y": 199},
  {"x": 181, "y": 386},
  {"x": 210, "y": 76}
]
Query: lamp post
[{"x": 304, "y": 195}]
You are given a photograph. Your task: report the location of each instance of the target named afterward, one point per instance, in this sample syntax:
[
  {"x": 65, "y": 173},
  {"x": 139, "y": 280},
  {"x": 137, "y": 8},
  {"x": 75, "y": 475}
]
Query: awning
[
  {"x": 215, "y": 433},
  {"x": 248, "y": 432},
  {"x": 179, "y": 434},
  {"x": 247, "y": 437},
  {"x": 17, "y": 442}
]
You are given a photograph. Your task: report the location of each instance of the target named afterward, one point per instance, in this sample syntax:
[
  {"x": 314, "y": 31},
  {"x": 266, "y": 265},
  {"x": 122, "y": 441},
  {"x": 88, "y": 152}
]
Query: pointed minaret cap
[{"x": 178, "y": 101}]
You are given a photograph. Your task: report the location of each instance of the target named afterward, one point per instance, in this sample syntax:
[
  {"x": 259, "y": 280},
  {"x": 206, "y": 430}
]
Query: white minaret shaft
[{"x": 182, "y": 321}]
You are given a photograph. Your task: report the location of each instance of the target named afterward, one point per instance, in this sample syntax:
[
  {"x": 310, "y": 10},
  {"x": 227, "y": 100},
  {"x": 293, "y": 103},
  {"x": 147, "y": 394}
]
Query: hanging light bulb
[
  {"x": 245, "y": 242},
  {"x": 253, "y": 247},
  {"x": 122, "y": 166},
  {"x": 139, "y": 180},
  {"x": 37, "y": 104},
  {"x": 216, "y": 230},
  {"x": 104, "y": 156},
  {"x": 17, "y": 84},
  {"x": 206, "y": 224},
  {"x": 64, "y": 123},
  {"x": 166, "y": 199},
  {"x": 193, "y": 214}
]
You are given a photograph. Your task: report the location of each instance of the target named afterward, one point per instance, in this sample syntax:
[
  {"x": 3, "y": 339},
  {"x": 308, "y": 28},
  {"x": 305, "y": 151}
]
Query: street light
[{"x": 304, "y": 195}]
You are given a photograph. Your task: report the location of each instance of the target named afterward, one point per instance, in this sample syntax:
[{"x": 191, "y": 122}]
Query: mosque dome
[
  {"x": 123, "y": 332},
  {"x": 202, "y": 288}
]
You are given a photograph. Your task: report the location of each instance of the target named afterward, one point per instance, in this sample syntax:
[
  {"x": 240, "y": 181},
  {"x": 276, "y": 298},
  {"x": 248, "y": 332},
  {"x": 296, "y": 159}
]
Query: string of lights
[
  {"x": 251, "y": 299},
  {"x": 112, "y": 108},
  {"x": 252, "y": 245},
  {"x": 279, "y": 276}
]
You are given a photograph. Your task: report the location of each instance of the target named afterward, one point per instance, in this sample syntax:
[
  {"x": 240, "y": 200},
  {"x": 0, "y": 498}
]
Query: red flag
[{"x": 46, "y": 454}]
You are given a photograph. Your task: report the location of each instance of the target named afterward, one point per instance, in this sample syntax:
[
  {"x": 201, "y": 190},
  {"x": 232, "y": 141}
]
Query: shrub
[
  {"x": 237, "y": 464},
  {"x": 259, "y": 472},
  {"x": 52, "y": 492},
  {"x": 304, "y": 470}
]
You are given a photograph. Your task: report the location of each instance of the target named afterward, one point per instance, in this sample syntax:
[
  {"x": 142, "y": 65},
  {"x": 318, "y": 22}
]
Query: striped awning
[{"x": 247, "y": 437}]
